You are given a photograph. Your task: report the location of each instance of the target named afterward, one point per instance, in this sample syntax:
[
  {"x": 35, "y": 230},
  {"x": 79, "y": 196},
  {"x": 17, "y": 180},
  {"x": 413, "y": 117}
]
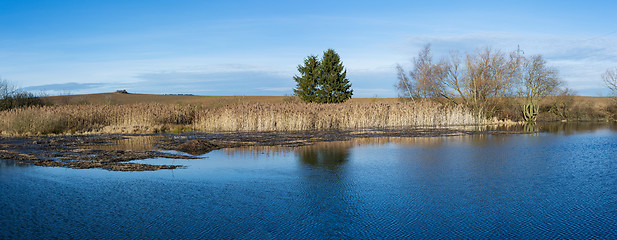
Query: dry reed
[
  {"x": 301, "y": 116},
  {"x": 238, "y": 117}
]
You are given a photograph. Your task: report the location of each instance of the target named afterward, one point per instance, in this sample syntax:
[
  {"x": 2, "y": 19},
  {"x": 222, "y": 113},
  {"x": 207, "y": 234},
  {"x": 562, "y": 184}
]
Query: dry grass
[
  {"x": 141, "y": 118},
  {"x": 577, "y": 108},
  {"x": 144, "y": 113},
  {"x": 301, "y": 116}
]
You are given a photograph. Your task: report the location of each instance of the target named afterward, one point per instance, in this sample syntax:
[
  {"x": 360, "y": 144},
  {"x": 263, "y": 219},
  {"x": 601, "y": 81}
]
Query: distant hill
[{"x": 119, "y": 98}]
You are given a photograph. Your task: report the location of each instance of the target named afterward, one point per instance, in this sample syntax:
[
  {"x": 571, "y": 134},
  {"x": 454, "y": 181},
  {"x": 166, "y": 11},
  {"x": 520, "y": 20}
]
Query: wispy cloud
[
  {"x": 534, "y": 43},
  {"x": 216, "y": 83},
  {"x": 374, "y": 92},
  {"x": 276, "y": 89},
  {"x": 252, "y": 48},
  {"x": 64, "y": 87}
]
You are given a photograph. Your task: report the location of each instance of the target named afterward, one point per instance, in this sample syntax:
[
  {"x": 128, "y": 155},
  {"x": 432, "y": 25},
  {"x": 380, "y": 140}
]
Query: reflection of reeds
[
  {"x": 370, "y": 141},
  {"x": 135, "y": 143},
  {"x": 259, "y": 150},
  {"x": 239, "y": 117}
]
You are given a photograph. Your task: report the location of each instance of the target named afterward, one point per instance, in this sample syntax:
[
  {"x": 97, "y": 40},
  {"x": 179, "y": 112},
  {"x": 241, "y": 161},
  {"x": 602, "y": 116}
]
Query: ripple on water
[{"x": 509, "y": 186}]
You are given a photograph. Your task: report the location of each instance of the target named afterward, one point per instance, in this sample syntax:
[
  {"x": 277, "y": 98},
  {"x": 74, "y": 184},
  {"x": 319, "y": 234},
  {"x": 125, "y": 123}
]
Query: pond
[{"x": 561, "y": 183}]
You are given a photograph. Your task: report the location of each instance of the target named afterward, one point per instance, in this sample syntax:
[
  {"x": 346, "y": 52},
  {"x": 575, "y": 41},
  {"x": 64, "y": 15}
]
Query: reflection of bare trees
[
  {"x": 530, "y": 127},
  {"x": 565, "y": 128},
  {"x": 9, "y": 163},
  {"x": 575, "y": 127}
]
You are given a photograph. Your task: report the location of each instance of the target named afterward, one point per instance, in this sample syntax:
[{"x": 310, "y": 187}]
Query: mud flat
[{"x": 116, "y": 151}]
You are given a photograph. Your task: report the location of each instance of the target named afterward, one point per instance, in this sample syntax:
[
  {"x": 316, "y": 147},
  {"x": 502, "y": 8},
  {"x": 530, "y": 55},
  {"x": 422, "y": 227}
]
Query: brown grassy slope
[
  {"x": 593, "y": 101},
  {"x": 579, "y": 108},
  {"x": 134, "y": 98}
]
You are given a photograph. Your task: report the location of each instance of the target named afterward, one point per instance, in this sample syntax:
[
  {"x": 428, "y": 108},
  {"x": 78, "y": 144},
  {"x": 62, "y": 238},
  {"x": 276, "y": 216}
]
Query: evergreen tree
[
  {"x": 323, "y": 81},
  {"x": 333, "y": 85},
  {"x": 306, "y": 88}
]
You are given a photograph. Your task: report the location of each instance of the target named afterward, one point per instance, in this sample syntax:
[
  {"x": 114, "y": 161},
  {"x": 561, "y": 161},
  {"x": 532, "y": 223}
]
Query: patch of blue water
[{"x": 512, "y": 186}]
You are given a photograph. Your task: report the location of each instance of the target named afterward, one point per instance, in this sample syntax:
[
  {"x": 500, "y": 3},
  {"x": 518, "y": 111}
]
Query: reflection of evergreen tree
[
  {"x": 325, "y": 157},
  {"x": 325, "y": 188}
]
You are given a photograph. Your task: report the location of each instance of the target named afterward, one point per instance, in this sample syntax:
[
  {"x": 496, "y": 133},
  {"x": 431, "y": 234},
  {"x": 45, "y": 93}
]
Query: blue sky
[{"x": 254, "y": 47}]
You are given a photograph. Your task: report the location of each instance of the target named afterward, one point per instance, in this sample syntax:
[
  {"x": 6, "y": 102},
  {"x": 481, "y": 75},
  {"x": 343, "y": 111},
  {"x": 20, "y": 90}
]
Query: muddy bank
[
  {"x": 114, "y": 152},
  {"x": 80, "y": 152}
]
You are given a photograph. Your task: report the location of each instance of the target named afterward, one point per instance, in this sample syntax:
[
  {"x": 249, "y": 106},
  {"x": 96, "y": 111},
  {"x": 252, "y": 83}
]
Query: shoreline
[{"x": 103, "y": 150}]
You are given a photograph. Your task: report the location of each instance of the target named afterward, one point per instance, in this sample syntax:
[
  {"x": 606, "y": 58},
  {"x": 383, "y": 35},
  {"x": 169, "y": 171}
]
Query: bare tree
[
  {"x": 426, "y": 78},
  {"x": 486, "y": 81},
  {"x": 610, "y": 80},
  {"x": 485, "y": 77},
  {"x": 537, "y": 81},
  {"x": 405, "y": 86},
  {"x": 428, "y": 75},
  {"x": 562, "y": 104},
  {"x": 11, "y": 97},
  {"x": 6, "y": 90}
]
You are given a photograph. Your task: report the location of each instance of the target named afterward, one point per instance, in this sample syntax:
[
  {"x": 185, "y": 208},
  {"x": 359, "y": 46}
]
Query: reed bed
[
  {"x": 302, "y": 116},
  {"x": 142, "y": 118}
]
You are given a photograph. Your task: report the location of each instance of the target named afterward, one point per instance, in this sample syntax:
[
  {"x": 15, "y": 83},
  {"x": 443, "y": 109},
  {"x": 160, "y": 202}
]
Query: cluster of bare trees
[
  {"x": 610, "y": 80},
  {"x": 11, "y": 97},
  {"x": 481, "y": 80}
]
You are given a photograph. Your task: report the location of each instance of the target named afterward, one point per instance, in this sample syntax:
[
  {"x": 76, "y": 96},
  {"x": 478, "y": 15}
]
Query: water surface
[{"x": 555, "y": 184}]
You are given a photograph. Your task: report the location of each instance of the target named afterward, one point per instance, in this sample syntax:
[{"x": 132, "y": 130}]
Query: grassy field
[
  {"x": 208, "y": 101},
  {"x": 145, "y": 113},
  {"x": 214, "y": 101}
]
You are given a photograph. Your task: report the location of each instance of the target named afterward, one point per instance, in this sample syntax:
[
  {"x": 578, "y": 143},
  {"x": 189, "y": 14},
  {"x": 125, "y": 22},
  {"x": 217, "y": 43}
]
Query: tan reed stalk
[{"x": 238, "y": 117}]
